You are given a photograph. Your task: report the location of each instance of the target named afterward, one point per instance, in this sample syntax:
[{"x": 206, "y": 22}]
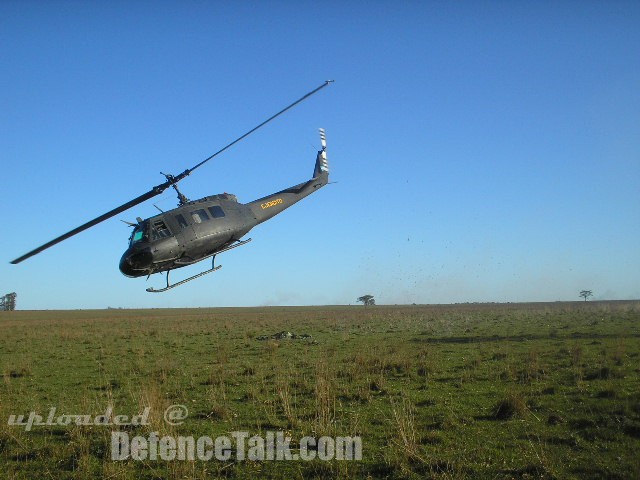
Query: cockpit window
[
  {"x": 139, "y": 233},
  {"x": 159, "y": 231}
]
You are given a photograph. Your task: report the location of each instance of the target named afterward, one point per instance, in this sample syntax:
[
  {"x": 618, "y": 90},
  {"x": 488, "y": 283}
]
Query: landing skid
[{"x": 212, "y": 269}]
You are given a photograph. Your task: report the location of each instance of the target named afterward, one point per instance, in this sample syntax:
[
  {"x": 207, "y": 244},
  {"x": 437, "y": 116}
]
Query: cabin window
[
  {"x": 199, "y": 216},
  {"x": 181, "y": 221},
  {"x": 216, "y": 211},
  {"x": 159, "y": 230}
]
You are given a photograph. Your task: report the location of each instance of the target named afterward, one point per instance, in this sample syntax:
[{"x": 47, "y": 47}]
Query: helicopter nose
[{"x": 136, "y": 264}]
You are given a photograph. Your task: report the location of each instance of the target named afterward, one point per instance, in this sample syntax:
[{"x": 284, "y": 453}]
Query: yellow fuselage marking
[{"x": 270, "y": 204}]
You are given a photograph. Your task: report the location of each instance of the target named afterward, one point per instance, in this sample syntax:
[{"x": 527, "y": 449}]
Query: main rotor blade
[
  {"x": 262, "y": 124},
  {"x": 126, "y": 206}
]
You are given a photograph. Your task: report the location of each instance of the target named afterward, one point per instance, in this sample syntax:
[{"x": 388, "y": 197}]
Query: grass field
[{"x": 467, "y": 391}]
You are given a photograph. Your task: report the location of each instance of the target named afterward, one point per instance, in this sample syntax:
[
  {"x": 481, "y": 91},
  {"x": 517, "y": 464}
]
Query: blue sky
[{"x": 483, "y": 151}]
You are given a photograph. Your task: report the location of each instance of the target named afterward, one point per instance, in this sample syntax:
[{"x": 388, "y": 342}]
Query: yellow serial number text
[{"x": 270, "y": 204}]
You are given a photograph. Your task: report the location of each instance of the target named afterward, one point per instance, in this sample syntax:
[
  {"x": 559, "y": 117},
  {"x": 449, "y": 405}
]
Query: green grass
[{"x": 466, "y": 391}]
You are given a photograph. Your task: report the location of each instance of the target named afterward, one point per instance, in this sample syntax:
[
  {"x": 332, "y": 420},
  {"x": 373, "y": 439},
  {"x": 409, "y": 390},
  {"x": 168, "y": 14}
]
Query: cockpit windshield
[{"x": 139, "y": 233}]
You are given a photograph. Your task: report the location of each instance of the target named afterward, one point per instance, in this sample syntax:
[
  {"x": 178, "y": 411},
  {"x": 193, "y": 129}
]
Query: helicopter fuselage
[{"x": 200, "y": 228}]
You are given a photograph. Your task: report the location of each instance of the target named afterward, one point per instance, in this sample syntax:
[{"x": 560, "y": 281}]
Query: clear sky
[{"x": 483, "y": 151}]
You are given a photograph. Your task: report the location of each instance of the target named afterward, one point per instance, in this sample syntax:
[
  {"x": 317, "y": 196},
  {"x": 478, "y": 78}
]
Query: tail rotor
[{"x": 322, "y": 163}]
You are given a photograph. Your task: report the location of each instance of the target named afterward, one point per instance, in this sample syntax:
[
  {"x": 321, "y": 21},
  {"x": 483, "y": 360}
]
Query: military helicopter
[{"x": 199, "y": 229}]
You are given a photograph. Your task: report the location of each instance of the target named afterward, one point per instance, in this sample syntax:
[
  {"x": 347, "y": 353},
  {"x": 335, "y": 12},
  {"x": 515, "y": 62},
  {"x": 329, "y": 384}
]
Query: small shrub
[
  {"x": 513, "y": 405},
  {"x": 609, "y": 393},
  {"x": 555, "y": 419}
]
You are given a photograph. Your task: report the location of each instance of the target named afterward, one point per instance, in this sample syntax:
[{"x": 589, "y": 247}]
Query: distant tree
[
  {"x": 8, "y": 301},
  {"x": 586, "y": 294},
  {"x": 367, "y": 300}
]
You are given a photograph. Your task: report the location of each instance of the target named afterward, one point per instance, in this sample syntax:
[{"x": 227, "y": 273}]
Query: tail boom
[{"x": 268, "y": 207}]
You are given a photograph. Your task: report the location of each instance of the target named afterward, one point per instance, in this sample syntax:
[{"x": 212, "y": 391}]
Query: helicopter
[{"x": 199, "y": 229}]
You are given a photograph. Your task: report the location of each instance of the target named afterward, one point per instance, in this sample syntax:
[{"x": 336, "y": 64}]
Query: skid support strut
[{"x": 212, "y": 269}]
